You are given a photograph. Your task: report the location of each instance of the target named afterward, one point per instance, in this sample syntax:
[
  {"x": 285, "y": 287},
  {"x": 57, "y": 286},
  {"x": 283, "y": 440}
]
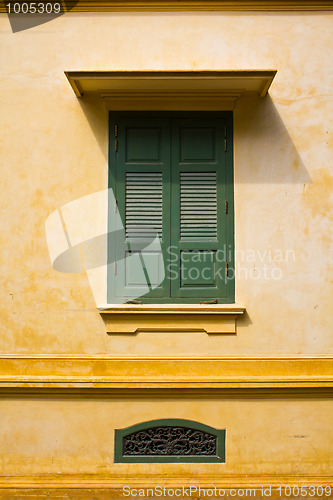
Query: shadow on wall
[
  {"x": 98, "y": 118},
  {"x": 264, "y": 151},
  {"x": 244, "y": 320}
]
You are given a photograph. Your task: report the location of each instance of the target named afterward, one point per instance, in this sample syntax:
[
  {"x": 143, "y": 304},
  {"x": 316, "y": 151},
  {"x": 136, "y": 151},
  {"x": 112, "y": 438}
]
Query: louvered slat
[
  {"x": 198, "y": 205},
  {"x": 143, "y": 218}
]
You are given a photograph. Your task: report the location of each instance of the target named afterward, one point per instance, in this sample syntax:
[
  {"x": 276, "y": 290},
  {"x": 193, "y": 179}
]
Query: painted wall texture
[
  {"x": 54, "y": 149},
  {"x": 76, "y": 436}
]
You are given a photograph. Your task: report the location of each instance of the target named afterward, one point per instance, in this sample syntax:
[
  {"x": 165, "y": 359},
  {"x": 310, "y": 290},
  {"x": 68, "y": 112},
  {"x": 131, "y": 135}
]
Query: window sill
[{"x": 131, "y": 319}]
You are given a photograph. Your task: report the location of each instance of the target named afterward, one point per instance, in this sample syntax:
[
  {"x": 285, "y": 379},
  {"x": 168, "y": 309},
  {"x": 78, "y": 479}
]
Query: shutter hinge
[
  {"x": 225, "y": 138},
  {"x": 116, "y": 138},
  {"x": 226, "y": 206},
  {"x": 226, "y": 269},
  {"x": 115, "y": 267}
]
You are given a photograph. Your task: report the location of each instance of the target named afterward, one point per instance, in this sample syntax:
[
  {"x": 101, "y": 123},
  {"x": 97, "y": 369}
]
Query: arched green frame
[{"x": 220, "y": 434}]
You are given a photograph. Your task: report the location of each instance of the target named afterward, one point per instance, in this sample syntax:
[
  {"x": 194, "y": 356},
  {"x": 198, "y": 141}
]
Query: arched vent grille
[{"x": 170, "y": 440}]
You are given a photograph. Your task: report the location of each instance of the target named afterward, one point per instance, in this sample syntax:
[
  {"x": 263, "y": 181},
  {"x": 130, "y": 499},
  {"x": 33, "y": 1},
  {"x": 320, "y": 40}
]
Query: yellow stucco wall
[
  {"x": 65, "y": 437},
  {"x": 54, "y": 150}
]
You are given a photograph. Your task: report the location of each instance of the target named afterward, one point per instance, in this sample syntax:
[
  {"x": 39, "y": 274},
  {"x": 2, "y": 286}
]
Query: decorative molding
[
  {"x": 208, "y": 5},
  {"x": 193, "y": 5},
  {"x": 217, "y": 318},
  {"x": 177, "y": 101},
  {"x": 84, "y": 486},
  {"x": 170, "y": 90},
  {"x": 157, "y": 373}
]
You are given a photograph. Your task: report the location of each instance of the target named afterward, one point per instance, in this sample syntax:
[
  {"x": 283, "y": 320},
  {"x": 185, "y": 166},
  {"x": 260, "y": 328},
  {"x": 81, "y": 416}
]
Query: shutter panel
[
  {"x": 143, "y": 197},
  {"x": 198, "y": 205},
  {"x": 198, "y": 216},
  {"x": 143, "y": 204}
]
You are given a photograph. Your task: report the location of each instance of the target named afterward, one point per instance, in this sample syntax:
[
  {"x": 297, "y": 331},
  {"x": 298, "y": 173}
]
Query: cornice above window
[{"x": 170, "y": 90}]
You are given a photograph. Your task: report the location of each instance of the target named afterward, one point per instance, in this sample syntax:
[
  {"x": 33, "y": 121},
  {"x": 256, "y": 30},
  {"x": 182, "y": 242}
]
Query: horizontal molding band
[
  {"x": 193, "y": 5},
  {"x": 199, "y": 394},
  {"x": 96, "y": 481},
  {"x": 101, "y": 372}
]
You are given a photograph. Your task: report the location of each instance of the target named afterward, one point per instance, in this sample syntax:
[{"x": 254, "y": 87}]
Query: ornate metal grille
[{"x": 169, "y": 441}]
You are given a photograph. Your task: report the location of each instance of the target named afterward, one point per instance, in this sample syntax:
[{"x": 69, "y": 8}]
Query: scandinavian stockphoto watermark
[
  {"x": 28, "y": 14},
  {"x": 88, "y": 235},
  {"x": 252, "y": 264}
]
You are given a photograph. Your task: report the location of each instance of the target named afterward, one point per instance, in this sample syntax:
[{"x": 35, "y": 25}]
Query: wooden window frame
[{"x": 229, "y": 297}]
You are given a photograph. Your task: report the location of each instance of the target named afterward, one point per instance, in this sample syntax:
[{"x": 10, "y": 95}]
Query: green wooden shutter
[
  {"x": 142, "y": 192},
  {"x": 172, "y": 175},
  {"x": 199, "y": 226}
]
